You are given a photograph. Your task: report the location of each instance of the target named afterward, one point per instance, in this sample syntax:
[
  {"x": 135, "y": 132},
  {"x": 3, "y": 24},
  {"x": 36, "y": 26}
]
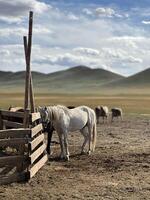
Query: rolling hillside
[
  {"x": 141, "y": 80},
  {"x": 77, "y": 79},
  {"x": 80, "y": 79}
]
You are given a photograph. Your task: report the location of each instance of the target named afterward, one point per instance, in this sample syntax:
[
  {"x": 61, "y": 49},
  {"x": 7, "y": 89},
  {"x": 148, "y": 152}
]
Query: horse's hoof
[
  {"x": 89, "y": 152},
  {"x": 61, "y": 157},
  {"x": 67, "y": 158}
]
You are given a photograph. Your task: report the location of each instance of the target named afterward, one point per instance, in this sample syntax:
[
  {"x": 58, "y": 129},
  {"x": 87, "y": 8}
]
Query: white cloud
[
  {"x": 4, "y": 52},
  {"x": 73, "y": 17},
  {"x": 122, "y": 55},
  {"x": 66, "y": 59},
  {"x": 20, "y": 31},
  {"x": 87, "y": 11},
  {"x": 145, "y": 22},
  {"x": 108, "y": 12},
  {"x": 14, "y": 11},
  {"x": 87, "y": 51},
  {"x": 134, "y": 60}
]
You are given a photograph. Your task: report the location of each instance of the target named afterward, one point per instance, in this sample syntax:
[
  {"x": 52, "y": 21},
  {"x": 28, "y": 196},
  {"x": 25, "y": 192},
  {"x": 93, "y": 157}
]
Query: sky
[{"x": 109, "y": 34}]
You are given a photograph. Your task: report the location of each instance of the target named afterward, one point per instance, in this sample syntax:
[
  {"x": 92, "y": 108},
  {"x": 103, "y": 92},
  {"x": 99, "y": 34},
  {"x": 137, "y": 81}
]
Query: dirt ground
[{"x": 118, "y": 169}]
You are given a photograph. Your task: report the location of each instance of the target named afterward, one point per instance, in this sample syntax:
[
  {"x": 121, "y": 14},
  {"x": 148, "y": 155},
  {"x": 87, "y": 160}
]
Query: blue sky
[{"x": 109, "y": 34}]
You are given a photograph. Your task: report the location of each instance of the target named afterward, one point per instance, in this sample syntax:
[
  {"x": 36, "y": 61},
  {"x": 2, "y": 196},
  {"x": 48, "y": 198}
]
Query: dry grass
[{"x": 130, "y": 104}]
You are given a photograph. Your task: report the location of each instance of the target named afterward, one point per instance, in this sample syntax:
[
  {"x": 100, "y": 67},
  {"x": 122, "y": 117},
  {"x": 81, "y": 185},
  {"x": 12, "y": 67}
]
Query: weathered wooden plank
[
  {"x": 1, "y": 121},
  {"x": 35, "y": 116},
  {"x": 12, "y": 124},
  {"x": 36, "y": 130},
  {"x": 36, "y": 142},
  {"x": 17, "y": 177},
  {"x": 38, "y": 166},
  {"x": 6, "y": 170},
  {"x": 12, "y": 160},
  {"x": 26, "y": 118},
  {"x": 37, "y": 153},
  {"x": 12, "y": 114},
  {"x": 15, "y": 133},
  {"x": 16, "y": 109},
  {"x": 13, "y": 142}
]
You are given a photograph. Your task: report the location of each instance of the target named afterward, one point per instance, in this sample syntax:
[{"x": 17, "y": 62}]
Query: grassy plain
[{"x": 129, "y": 103}]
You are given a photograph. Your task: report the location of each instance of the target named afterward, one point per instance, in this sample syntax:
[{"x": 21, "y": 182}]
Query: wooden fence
[{"x": 22, "y": 150}]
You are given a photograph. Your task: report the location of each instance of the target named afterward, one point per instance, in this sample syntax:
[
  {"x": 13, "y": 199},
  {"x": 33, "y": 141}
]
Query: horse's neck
[{"x": 54, "y": 113}]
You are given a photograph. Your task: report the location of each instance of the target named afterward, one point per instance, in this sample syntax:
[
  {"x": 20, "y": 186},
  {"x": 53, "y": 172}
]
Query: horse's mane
[
  {"x": 64, "y": 108},
  {"x": 55, "y": 112}
]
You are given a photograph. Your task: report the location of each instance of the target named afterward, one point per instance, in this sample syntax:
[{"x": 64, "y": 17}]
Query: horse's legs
[
  {"x": 85, "y": 135},
  {"x": 106, "y": 118},
  {"x": 97, "y": 119},
  {"x": 48, "y": 149},
  {"x": 66, "y": 145},
  {"x": 121, "y": 117},
  {"x": 103, "y": 119},
  {"x": 49, "y": 129},
  {"x": 62, "y": 155},
  {"x": 90, "y": 138}
]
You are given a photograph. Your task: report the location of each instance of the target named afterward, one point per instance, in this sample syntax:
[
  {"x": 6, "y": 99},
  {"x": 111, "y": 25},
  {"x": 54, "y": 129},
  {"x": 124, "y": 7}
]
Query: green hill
[
  {"x": 76, "y": 79},
  {"x": 140, "y": 80},
  {"x": 81, "y": 80}
]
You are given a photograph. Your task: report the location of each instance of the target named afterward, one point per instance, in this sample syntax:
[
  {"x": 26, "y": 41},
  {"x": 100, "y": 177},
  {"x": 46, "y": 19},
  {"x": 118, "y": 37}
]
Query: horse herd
[
  {"x": 103, "y": 111},
  {"x": 69, "y": 119}
]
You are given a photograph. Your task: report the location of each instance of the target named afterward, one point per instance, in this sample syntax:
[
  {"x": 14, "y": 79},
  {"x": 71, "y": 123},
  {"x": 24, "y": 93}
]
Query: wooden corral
[
  {"x": 22, "y": 146},
  {"x": 22, "y": 150}
]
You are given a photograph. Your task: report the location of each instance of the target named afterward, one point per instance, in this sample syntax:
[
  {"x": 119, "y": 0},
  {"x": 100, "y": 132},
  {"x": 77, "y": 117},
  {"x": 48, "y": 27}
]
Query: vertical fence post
[
  {"x": 28, "y": 79},
  {"x": 32, "y": 104},
  {"x": 1, "y": 121}
]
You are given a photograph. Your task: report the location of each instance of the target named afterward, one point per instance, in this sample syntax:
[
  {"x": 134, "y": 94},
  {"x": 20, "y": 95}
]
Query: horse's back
[
  {"x": 89, "y": 111},
  {"x": 85, "y": 108},
  {"x": 106, "y": 109},
  {"x": 116, "y": 111},
  {"x": 77, "y": 119},
  {"x": 101, "y": 111}
]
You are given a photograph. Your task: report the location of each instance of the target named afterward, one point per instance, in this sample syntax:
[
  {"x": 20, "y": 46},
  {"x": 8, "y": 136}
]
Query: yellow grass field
[{"x": 130, "y": 104}]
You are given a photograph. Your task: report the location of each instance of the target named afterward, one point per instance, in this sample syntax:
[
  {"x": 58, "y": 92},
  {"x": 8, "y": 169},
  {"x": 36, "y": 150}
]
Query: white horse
[{"x": 64, "y": 120}]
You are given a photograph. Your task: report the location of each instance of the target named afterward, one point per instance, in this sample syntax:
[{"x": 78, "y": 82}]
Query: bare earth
[{"x": 118, "y": 169}]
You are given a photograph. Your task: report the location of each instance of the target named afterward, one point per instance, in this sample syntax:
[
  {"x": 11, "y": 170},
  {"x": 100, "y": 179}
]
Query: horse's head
[{"x": 44, "y": 116}]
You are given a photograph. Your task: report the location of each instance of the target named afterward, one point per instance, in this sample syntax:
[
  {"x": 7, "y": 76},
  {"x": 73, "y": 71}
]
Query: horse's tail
[
  {"x": 91, "y": 127},
  {"x": 94, "y": 136}
]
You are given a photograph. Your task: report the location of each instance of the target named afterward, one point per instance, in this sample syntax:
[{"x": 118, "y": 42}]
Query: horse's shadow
[{"x": 58, "y": 159}]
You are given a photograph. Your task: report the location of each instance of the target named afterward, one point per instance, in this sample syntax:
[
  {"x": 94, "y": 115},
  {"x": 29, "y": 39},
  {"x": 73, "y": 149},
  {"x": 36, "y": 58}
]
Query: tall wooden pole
[
  {"x": 28, "y": 79},
  {"x": 32, "y": 104}
]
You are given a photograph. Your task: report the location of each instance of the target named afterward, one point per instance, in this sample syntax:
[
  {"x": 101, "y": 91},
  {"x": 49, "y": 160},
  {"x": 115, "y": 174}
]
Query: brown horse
[{"x": 101, "y": 111}]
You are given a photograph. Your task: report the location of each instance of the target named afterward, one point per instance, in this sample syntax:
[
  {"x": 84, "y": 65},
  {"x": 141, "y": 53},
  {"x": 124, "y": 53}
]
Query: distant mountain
[
  {"x": 83, "y": 73},
  {"x": 141, "y": 80},
  {"x": 80, "y": 78},
  {"x": 15, "y": 76}
]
